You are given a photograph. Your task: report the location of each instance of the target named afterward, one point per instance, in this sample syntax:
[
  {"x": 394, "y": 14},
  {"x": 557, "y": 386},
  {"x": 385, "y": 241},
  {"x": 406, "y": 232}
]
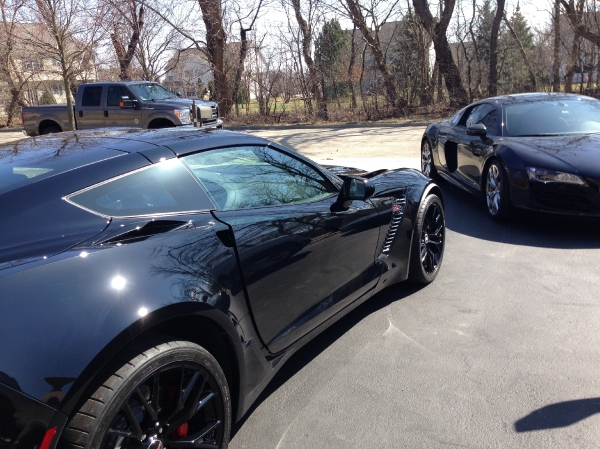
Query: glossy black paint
[
  {"x": 462, "y": 158},
  {"x": 250, "y": 286}
]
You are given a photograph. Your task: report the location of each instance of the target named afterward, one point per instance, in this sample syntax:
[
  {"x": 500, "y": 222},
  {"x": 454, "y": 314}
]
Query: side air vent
[{"x": 398, "y": 208}]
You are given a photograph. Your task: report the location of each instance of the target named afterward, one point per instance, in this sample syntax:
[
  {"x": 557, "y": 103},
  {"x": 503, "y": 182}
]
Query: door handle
[
  {"x": 105, "y": 113},
  {"x": 80, "y": 113}
]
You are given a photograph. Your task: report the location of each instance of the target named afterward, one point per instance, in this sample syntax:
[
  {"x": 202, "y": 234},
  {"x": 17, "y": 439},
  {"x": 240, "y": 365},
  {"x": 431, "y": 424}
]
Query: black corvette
[
  {"x": 152, "y": 282},
  {"x": 531, "y": 151}
]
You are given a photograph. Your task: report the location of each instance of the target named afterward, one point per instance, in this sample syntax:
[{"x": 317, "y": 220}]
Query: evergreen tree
[{"x": 329, "y": 47}]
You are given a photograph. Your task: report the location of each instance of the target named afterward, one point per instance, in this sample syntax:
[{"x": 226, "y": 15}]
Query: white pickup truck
[{"x": 137, "y": 104}]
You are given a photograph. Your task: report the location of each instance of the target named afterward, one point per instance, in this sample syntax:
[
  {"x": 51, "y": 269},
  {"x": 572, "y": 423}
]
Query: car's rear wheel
[
  {"x": 428, "y": 243},
  {"x": 497, "y": 196},
  {"x": 172, "y": 394},
  {"x": 427, "y": 166}
]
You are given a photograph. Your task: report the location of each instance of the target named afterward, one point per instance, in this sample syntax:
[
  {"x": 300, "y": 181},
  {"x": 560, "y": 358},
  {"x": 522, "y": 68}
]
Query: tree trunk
[
  {"x": 212, "y": 15},
  {"x": 532, "y": 77},
  {"x": 556, "y": 52},
  {"x": 443, "y": 54},
  {"x": 572, "y": 65},
  {"x": 310, "y": 63},
  {"x": 351, "y": 69},
  {"x": 493, "y": 80},
  {"x": 126, "y": 56},
  {"x": 396, "y": 101}
]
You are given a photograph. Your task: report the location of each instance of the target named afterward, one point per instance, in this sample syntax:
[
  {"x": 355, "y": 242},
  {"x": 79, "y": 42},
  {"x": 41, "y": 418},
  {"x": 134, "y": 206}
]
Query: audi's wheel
[
  {"x": 497, "y": 197},
  {"x": 172, "y": 394},
  {"x": 427, "y": 166}
]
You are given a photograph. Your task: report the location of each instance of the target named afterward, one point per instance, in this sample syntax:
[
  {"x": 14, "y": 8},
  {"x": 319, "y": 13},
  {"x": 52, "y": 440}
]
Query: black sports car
[
  {"x": 152, "y": 282},
  {"x": 535, "y": 151}
]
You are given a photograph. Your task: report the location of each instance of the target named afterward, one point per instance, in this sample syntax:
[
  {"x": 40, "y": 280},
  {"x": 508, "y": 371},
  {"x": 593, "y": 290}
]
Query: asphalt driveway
[{"x": 501, "y": 351}]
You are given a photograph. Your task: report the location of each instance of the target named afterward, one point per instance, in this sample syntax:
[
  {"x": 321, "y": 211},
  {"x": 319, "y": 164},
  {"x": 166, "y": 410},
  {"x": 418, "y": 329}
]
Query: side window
[
  {"x": 256, "y": 176},
  {"x": 92, "y": 96},
  {"x": 163, "y": 188},
  {"x": 115, "y": 93},
  {"x": 483, "y": 113}
]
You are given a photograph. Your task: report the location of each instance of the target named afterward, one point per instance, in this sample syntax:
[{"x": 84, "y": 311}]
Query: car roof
[
  {"x": 60, "y": 153},
  {"x": 533, "y": 97}
]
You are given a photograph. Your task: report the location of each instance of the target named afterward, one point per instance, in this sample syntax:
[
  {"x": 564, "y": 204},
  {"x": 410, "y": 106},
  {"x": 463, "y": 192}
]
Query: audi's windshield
[{"x": 552, "y": 117}]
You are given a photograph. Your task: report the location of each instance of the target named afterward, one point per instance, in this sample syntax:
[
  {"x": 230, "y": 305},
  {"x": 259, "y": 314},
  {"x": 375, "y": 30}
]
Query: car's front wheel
[
  {"x": 170, "y": 394},
  {"x": 427, "y": 166},
  {"x": 497, "y": 196},
  {"x": 428, "y": 243}
]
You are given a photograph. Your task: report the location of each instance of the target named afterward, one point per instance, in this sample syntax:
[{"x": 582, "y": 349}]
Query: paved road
[
  {"x": 383, "y": 146},
  {"x": 501, "y": 351}
]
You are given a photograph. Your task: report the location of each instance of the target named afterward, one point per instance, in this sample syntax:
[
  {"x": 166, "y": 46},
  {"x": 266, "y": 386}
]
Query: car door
[
  {"x": 90, "y": 114},
  {"x": 471, "y": 150},
  {"x": 115, "y": 115},
  {"x": 300, "y": 261}
]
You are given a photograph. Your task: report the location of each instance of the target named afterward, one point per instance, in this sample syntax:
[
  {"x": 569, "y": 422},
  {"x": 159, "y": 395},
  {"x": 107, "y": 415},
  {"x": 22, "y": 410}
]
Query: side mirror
[
  {"x": 477, "y": 130},
  {"x": 178, "y": 94},
  {"x": 126, "y": 103},
  {"x": 354, "y": 188}
]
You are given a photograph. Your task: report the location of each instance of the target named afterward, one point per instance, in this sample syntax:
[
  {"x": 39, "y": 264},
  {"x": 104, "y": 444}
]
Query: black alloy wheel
[
  {"x": 427, "y": 166},
  {"x": 171, "y": 395},
  {"x": 428, "y": 243},
  {"x": 497, "y": 196}
]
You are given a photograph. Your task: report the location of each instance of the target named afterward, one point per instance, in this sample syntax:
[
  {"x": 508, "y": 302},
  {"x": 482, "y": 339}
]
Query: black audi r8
[
  {"x": 152, "y": 282},
  {"x": 538, "y": 151}
]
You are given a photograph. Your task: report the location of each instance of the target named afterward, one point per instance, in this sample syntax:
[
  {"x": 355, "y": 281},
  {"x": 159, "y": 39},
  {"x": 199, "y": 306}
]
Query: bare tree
[
  {"x": 127, "y": 24},
  {"x": 306, "y": 30},
  {"x": 493, "y": 77},
  {"x": 66, "y": 31},
  {"x": 9, "y": 68},
  {"x": 437, "y": 31},
  {"x": 556, "y": 48},
  {"x": 360, "y": 14}
]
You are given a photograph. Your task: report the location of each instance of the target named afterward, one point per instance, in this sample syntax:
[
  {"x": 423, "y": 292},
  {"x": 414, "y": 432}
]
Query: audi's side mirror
[{"x": 477, "y": 130}]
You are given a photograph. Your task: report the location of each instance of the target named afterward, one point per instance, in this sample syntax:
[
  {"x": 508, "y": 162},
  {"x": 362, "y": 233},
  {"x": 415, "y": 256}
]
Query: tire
[
  {"x": 427, "y": 250},
  {"x": 165, "y": 396},
  {"x": 496, "y": 192},
  {"x": 427, "y": 165},
  {"x": 51, "y": 130}
]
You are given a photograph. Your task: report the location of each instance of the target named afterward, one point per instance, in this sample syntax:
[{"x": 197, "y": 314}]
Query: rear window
[
  {"x": 92, "y": 96},
  {"x": 164, "y": 188}
]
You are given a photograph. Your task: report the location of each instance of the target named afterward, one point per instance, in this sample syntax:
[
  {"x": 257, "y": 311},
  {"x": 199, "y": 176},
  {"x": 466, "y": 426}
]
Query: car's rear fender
[{"x": 81, "y": 307}]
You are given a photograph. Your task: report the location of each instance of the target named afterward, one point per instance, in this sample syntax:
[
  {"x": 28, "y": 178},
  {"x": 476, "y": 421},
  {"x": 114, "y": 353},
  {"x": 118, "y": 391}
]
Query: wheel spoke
[
  {"x": 198, "y": 440},
  {"x": 151, "y": 411},
  {"x": 192, "y": 406},
  {"x": 136, "y": 430}
]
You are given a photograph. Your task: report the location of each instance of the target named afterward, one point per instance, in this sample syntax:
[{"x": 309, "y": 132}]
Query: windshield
[
  {"x": 542, "y": 118},
  {"x": 152, "y": 91}
]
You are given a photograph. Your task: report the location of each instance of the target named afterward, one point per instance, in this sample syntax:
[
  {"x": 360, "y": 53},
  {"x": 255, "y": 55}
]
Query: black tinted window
[
  {"x": 483, "y": 113},
  {"x": 115, "y": 93},
  {"x": 245, "y": 177},
  {"x": 92, "y": 96},
  {"x": 164, "y": 188},
  {"x": 561, "y": 116}
]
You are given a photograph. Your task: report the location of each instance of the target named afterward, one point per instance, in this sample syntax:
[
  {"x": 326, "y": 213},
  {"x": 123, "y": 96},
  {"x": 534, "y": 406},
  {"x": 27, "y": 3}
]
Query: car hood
[
  {"x": 577, "y": 154},
  {"x": 177, "y": 103}
]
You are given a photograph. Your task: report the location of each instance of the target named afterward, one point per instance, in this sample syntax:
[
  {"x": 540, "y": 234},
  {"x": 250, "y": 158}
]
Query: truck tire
[{"x": 51, "y": 130}]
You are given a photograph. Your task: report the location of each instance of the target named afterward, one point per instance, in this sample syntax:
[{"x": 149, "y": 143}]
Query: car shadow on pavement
[
  {"x": 466, "y": 214},
  {"x": 325, "y": 339},
  {"x": 562, "y": 414}
]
